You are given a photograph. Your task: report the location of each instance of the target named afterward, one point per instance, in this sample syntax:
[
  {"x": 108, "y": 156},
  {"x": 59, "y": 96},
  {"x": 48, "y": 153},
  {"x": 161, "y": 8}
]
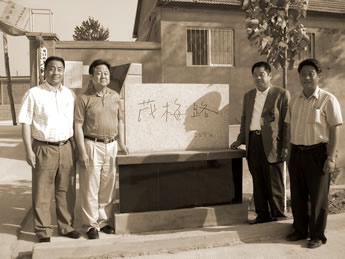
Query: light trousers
[{"x": 97, "y": 184}]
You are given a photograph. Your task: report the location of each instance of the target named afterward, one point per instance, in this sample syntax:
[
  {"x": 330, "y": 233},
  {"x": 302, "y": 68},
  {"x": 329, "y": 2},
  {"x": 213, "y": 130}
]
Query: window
[
  {"x": 308, "y": 51},
  {"x": 210, "y": 47}
]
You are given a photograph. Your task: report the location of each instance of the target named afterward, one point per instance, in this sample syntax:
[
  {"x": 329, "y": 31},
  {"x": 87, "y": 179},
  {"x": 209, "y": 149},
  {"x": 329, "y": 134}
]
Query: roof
[
  {"x": 325, "y": 6},
  {"x": 320, "y": 6},
  {"x": 209, "y": 2}
]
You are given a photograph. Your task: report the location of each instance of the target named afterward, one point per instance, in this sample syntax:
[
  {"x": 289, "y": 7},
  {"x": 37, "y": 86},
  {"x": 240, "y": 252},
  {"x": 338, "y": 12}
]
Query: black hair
[
  {"x": 310, "y": 62},
  {"x": 96, "y": 63},
  {"x": 52, "y": 58},
  {"x": 262, "y": 64}
]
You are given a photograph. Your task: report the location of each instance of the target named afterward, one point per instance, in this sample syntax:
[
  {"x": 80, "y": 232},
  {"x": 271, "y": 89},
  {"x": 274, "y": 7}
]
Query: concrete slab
[
  {"x": 165, "y": 243},
  {"x": 181, "y": 218},
  {"x": 157, "y": 242}
]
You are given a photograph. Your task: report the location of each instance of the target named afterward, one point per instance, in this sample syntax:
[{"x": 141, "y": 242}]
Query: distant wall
[
  {"x": 19, "y": 86},
  {"x": 116, "y": 53}
]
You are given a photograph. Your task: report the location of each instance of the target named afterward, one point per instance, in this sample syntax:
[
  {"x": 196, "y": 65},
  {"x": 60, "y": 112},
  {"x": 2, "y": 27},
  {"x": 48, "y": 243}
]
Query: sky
[{"x": 116, "y": 15}]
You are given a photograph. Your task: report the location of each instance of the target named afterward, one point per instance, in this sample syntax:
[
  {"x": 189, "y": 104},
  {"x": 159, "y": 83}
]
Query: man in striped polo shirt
[{"x": 314, "y": 117}]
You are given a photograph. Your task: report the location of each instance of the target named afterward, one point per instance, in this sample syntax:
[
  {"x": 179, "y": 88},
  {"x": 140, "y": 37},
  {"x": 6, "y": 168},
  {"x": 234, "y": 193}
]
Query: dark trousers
[
  {"x": 54, "y": 174},
  {"x": 268, "y": 180},
  {"x": 309, "y": 183}
]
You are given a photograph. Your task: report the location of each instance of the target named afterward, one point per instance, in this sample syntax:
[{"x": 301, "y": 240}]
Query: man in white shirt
[
  {"x": 314, "y": 117},
  {"x": 47, "y": 128},
  {"x": 265, "y": 135}
]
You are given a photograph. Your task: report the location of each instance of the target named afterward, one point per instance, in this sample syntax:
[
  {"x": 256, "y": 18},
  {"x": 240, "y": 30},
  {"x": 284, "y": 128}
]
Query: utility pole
[{"x": 9, "y": 81}]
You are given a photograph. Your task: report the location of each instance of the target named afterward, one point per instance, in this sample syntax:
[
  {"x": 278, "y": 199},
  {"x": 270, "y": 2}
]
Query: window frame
[{"x": 209, "y": 29}]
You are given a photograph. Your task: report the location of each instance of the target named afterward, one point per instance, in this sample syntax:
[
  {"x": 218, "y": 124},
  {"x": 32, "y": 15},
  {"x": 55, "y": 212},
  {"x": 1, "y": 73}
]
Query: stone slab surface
[{"x": 175, "y": 117}]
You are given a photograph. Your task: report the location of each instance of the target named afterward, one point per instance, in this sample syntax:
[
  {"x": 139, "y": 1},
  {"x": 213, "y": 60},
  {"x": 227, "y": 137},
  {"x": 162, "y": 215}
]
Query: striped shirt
[
  {"x": 49, "y": 111},
  {"x": 310, "y": 118}
]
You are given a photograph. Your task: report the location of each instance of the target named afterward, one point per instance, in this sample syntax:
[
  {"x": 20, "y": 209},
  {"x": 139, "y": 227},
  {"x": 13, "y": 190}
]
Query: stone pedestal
[{"x": 175, "y": 190}]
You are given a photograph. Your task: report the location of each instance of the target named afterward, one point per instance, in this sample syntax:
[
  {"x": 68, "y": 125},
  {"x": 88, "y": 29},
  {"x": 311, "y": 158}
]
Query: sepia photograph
[{"x": 172, "y": 129}]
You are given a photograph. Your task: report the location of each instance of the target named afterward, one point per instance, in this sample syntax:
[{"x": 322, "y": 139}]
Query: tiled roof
[
  {"x": 226, "y": 2},
  {"x": 327, "y": 6}
]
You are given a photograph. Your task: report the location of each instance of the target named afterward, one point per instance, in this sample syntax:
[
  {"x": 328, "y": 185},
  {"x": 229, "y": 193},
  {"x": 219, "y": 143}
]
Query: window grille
[{"x": 210, "y": 47}]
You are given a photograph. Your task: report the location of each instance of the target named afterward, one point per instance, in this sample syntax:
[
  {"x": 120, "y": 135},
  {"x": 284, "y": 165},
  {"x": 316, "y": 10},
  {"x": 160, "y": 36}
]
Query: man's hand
[
  {"x": 235, "y": 144},
  {"x": 329, "y": 166},
  {"x": 31, "y": 158},
  {"x": 284, "y": 153},
  {"x": 124, "y": 148},
  {"x": 83, "y": 160}
]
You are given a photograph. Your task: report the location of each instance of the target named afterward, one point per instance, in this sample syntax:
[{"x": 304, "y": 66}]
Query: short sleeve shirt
[
  {"x": 49, "y": 111},
  {"x": 310, "y": 118},
  {"x": 99, "y": 113}
]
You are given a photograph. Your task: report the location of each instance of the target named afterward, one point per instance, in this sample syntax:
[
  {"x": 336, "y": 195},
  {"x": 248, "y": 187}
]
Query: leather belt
[
  {"x": 105, "y": 141},
  {"x": 304, "y": 148},
  {"x": 59, "y": 143},
  {"x": 256, "y": 132}
]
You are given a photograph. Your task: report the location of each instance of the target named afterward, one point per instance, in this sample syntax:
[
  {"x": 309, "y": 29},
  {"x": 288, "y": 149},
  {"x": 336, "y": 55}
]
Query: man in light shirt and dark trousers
[
  {"x": 265, "y": 135},
  {"x": 314, "y": 117},
  {"x": 46, "y": 116}
]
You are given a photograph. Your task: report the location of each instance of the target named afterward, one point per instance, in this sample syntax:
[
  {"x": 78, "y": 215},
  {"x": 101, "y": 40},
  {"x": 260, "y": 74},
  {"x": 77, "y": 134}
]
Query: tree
[
  {"x": 91, "y": 29},
  {"x": 274, "y": 27}
]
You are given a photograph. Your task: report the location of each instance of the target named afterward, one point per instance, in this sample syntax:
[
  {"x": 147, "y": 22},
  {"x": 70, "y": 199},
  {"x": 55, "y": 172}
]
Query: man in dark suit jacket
[{"x": 265, "y": 135}]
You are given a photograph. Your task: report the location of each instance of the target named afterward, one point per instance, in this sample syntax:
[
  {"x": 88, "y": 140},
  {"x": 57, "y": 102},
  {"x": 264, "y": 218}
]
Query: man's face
[
  {"x": 54, "y": 72},
  {"x": 309, "y": 78},
  {"x": 262, "y": 78},
  {"x": 101, "y": 76}
]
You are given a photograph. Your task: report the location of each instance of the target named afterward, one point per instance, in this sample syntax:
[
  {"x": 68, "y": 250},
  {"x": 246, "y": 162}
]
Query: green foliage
[
  {"x": 274, "y": 26},
  {"x": 91, "y": 29}
]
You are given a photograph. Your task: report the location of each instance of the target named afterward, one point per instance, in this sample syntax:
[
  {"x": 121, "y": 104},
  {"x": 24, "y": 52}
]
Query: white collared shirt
[
  {"x": 310, "y": 118},
  {"x": 49, "y": 111},
  {"x": 260, "y": 99}
]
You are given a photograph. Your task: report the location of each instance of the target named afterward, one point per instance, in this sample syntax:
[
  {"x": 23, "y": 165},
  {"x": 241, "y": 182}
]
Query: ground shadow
[
  {"x": 15, "y": 202},
  {"x": 27, "y": 232},
  {"x": 11, "y": 144}
]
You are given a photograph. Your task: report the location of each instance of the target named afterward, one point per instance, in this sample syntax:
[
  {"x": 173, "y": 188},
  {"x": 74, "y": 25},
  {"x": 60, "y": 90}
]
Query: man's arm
[
  {"x": 30, "y": 155},
  {"x": 329, "y": 165},
  {"x": 83, "y": 158},
  {"x": 241, "y": 136},
  {"x": 121, "y": 137}
]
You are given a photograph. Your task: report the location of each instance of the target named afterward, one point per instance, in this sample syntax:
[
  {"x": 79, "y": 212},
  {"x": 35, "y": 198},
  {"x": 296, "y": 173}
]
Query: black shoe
[
  {"x": 314, "y": 243},
  {"x": 260, "y": 220},
  {"x": 280, "y": 216},
  {"x": 92, "y": 233},
  {"x": 295, "y": 237},
  {"x": 44, "y": 240},
  {"x": 108, "y": 229},
  {"x": 73, "y": 234}
]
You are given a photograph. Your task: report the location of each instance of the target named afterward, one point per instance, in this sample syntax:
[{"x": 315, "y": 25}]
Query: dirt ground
[{"x": 336, "y": 202}]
